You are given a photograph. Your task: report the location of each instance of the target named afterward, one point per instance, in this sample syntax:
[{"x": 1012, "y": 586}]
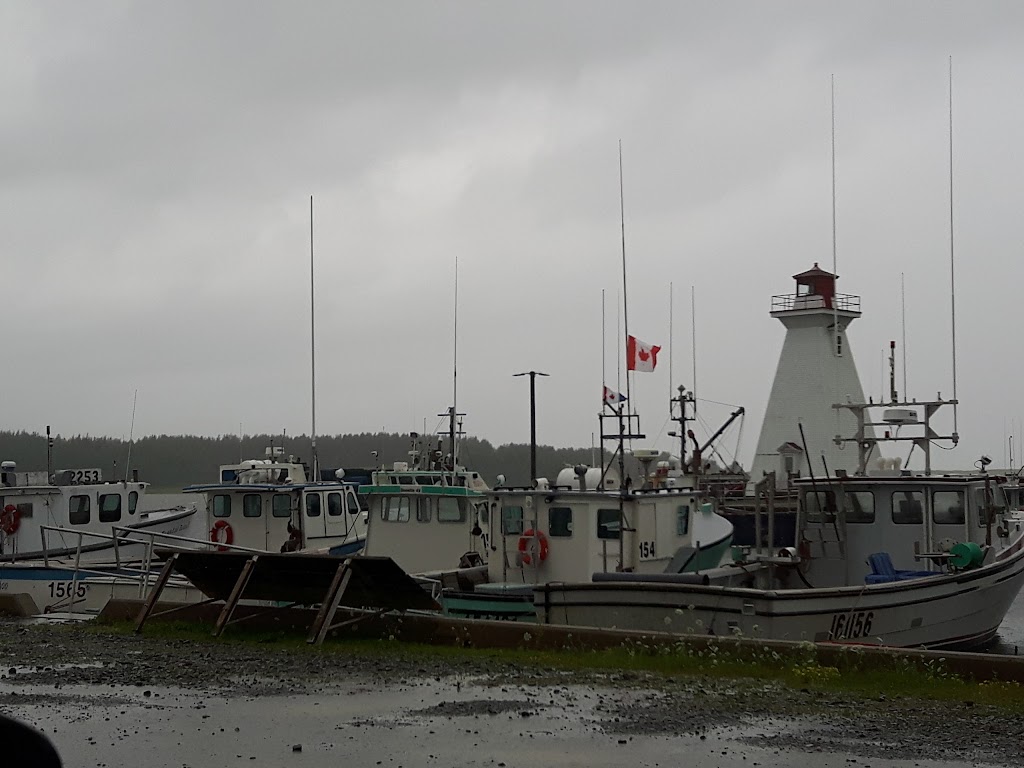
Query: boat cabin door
[{"x": 329, "y": 517}]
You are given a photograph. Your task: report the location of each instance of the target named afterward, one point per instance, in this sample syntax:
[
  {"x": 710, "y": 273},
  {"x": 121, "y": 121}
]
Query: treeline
[{"x": 170, "y": 462}]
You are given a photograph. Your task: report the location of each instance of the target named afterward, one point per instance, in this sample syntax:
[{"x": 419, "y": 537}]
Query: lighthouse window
[
  {"x": 78, "y": 510},
  {"x": 608, "y": 524},
  {"x": 281, "y": 506},
  {"x": 839, "y": 345},
  {"x": 907, "y": 507},
  {"x": 948, "y": 508},
  {"x": 110, "y": 507},
  {"x": 560, "y": 521},
  {"x": 222, "y": 505}
]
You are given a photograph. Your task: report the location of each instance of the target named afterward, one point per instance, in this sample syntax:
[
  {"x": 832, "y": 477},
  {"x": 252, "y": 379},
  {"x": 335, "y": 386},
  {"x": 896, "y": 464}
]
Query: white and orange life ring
[
  {"x": 526, "y": 548},
  {"x": 10, "y": 520},
  {"x": 229, "y": 535}
]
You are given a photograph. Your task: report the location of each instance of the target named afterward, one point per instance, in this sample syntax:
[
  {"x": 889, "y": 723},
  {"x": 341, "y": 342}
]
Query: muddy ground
[{"x": 109, "y": 699}]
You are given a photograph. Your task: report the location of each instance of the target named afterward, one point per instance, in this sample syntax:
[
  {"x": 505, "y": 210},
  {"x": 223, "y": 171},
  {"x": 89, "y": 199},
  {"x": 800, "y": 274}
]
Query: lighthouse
[{"x": 816, "y": 370}]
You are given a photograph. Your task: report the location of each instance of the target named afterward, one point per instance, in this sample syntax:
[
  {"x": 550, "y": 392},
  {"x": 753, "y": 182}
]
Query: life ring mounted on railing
[
  {"x": 229, "y": 535},
  {"x": 10, "y": 520},
  {"x": 527, "y": 550}
]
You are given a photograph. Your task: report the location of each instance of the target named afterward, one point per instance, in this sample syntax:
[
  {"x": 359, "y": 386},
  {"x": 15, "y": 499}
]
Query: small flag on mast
[
  {"x": 641, "y": 356},
  {"x": 611, "y": 397}
]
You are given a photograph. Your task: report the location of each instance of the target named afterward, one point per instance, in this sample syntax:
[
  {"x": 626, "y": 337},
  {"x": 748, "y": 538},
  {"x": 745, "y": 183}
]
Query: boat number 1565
[{"x": 68, "y": 589}]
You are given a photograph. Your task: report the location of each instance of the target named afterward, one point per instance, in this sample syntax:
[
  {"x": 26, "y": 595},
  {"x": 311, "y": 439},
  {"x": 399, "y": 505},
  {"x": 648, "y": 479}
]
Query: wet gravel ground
[{"x": 105, "y": 699}]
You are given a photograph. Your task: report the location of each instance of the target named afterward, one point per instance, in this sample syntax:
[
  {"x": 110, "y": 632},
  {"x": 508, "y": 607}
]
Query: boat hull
[
  {"x": 955, "y": 611},
  {"x": 64, "y": 589}
]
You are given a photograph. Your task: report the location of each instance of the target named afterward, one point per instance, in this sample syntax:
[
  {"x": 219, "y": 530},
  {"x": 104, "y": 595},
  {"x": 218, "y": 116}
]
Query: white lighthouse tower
[{"x": 816, "y": 369}]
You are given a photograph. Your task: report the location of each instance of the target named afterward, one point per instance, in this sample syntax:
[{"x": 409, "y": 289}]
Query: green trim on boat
[{"x": 428, "y": 490}]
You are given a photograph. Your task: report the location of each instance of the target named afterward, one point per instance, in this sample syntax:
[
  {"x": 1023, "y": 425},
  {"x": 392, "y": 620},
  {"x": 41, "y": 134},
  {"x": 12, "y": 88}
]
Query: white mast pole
[
  {"x": 312, "y": 344},
  {"x": 952, "y": 270},
  {"x": 625, "y": 299}
]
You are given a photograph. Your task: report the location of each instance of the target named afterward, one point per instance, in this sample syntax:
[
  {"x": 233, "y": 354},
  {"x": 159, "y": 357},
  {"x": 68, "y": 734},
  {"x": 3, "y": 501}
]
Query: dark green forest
[{"x": 170, "y": 462}]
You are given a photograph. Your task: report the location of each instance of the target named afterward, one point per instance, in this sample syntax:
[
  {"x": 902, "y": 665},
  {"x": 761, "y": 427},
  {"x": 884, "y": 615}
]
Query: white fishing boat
[
  {"x": 60, "y": 530},
  {"x": 275, "y": 505},
  {"x": 487, "y": 549}
]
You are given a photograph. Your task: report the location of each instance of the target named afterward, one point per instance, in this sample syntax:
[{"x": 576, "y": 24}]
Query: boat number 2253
[{"x": 851, "y": 624}]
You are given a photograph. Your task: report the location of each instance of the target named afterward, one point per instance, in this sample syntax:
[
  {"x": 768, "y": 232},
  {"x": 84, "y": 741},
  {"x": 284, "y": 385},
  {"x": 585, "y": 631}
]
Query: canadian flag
[{"x": 640, "y": 356}]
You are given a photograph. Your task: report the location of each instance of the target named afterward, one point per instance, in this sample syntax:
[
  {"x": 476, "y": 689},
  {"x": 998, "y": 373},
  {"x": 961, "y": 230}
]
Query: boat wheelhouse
[
  {"x": 273, "y": 505},
  {"x": 70, "y": 511}
]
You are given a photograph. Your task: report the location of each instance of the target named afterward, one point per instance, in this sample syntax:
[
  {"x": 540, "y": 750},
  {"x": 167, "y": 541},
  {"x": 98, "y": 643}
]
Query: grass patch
[{"x": 852, "y": 673}]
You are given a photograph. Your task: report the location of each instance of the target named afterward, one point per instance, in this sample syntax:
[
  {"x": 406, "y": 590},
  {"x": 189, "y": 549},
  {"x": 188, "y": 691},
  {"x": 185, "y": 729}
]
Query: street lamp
[{"x": 533, "y": 421}]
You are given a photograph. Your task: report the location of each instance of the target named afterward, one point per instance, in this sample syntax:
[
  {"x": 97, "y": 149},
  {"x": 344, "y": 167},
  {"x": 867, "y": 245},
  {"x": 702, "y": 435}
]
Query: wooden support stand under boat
[{"x": 288, "y": 580}]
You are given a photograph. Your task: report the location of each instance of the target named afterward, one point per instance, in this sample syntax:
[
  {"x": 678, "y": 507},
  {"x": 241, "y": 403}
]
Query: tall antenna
[
  {"x": 131, "y": 438},
  {"x": 312, "y": 345},
  {"x": 625, "y": 300},
  {"x": 835, "y": 271},
  {"x": 903, "y": 316},
  {"x": 693, "y": 345},
  {"x": 455, "y": 370},
  {"x": 604, "y": 344},
  {"x": 671, "y": 346},
  {"x": 952, "y": 270}
]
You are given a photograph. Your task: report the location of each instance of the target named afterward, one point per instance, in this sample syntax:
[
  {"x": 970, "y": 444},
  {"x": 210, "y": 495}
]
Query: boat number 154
[{"x": 646, "y": 549}]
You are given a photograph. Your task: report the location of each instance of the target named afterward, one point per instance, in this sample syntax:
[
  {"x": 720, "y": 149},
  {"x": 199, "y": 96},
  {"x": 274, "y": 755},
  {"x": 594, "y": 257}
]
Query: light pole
[{"x": 533, "y": 421}]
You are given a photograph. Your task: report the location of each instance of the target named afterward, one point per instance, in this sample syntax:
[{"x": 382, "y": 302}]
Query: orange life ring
[
  {"x": 524, "y": 546},
  {"x": 10, "y": 519},
  {"x": 229, "y": 535}
]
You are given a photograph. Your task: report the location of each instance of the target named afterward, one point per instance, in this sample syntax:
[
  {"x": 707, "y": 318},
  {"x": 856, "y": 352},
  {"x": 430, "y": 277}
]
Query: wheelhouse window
[
  {"x": 79, "y": 510},
  {"x": 560, "y": 521},
  {"x": 110, "y": 507},
  {"x": 335, "y": 507},
  {"x": 682, "y": 520},
  {"x": 24, "y": 508},
  {"x": 133, "y": 502},
  {"x": 988, "y": 499},
  {"x": 817, "y": 502},
  {"x": 395, "y": 509},
  {"x": 222, "y": 505},
  {"x": 423, "y": 511},
  {"x": 948, "y": 508},
  {"x": 353, "y": 503},
  {"x": 860, "y": 507},
  {"x": 252, "y": 505},
  {"x": 313, "y": 505},
  {"x": 908, "y": 507},
  {"x": 451, "y": 510},
  {"x": 511, "y": 521},
  {"x": 281, "y": 505},
  {"x": 608, "y": 524}
]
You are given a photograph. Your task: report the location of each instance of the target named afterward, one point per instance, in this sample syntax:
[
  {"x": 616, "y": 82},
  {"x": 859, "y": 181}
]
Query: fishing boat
[
  {"x": 885, "y": 556},
  {"x": 487, "y": 549},
  {"x": 65, "y": 533},
  {"x": 275, "y": 504}
]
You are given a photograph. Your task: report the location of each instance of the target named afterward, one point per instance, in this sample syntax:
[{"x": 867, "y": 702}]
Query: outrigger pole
[{"x": 312, "y": 346}]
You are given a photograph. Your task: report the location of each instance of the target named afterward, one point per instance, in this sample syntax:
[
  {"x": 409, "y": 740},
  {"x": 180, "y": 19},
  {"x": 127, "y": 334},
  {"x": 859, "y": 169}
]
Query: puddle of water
[{"x": 417, "y": 724}]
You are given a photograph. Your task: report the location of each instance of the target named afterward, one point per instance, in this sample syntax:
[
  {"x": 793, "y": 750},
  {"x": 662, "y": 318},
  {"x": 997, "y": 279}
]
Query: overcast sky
[{"x": 158, "y": 158}]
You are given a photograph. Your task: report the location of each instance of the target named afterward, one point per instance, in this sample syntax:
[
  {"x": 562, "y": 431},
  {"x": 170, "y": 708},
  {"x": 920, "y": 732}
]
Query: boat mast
[
  {"x": 952, "y": 270},
  {"x": 312, "y": 345}
]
